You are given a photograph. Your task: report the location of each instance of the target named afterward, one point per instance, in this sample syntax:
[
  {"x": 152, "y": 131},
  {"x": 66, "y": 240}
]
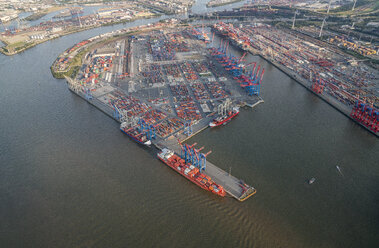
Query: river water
[{"x": 69, "y": 178}]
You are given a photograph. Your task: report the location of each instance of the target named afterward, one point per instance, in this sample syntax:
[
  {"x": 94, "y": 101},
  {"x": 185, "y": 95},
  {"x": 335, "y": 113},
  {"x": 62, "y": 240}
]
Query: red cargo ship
[
  {"x": 225, "y": 118},
  {"x": 190, "y": 172},
  {"x": 135, "y": 135}
]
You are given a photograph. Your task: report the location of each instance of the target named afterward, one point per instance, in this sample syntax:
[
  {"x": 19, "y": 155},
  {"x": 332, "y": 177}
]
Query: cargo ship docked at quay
[
  {"x": 237, "y": 45},
  {"x": 190, "y": 172},
  {"x": 135, "y": 135},
  {"x": 224, "y": 119},
  {"x": 114, "y": 102}
]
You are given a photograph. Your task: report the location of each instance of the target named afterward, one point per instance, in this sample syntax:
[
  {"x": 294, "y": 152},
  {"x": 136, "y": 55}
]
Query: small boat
[
  {"x": 339, "y": 170},
  {"x": 312, "y": 180}
]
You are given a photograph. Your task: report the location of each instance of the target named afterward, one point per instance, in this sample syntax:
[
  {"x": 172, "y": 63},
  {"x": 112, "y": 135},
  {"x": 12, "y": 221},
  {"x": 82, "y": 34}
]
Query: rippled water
[{"x": 69, "y": 178}]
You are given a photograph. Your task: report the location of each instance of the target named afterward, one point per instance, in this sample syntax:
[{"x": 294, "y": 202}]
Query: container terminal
[
  {"x": 342, "y": 81},
  {"x": 20, "y": 37},
  {"x": 165, "y": 86},
  {"x": 25, "y": 36}
]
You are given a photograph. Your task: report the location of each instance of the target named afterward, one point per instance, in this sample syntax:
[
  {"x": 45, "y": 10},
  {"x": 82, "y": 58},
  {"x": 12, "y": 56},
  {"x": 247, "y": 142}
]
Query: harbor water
[{"x": 70, "y": 178}]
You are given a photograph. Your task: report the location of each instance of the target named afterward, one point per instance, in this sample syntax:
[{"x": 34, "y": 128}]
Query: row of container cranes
[{"x": 335, "y": 76}]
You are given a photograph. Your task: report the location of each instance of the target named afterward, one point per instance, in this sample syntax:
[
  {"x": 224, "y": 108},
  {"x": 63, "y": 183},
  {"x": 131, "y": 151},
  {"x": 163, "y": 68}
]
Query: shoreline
[
  {"x": 96, "y": 40},
  {"x": 4, "y": 50},
  {"x": 296, "y": 77},
  {"x": 167, "y": 142},
  {"x": 214, "y": 5},
  {"x": 300, "y": 81},
  {"x": 231, "y": 184},
  {"x": 38, "y": 15}
]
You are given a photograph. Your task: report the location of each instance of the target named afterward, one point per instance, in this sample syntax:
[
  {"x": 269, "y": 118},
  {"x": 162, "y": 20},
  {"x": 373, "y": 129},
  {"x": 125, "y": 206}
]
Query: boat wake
[{"x": 339, "y": 170}]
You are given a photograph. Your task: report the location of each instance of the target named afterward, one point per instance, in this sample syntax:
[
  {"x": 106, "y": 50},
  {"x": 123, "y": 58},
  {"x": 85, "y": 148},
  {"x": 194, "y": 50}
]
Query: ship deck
[{"x": 230, "y": 183}]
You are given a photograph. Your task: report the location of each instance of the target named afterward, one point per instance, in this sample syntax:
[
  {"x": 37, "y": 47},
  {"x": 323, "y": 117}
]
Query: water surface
[{"x": 70, "y": 178}]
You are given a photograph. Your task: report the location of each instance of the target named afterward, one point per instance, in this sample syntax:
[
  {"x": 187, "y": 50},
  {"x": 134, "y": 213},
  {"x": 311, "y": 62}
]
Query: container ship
[
  {"x": 135, "y": 135},
  {"x": 224, "y": 118},
  {"x": 190, "y": 172}
]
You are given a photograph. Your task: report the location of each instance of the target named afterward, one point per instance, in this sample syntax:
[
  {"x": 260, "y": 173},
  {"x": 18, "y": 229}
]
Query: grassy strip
[
  {"x": 77, "y": 61},
  {"x": 35, "y": 16},
  {"x": 370, "y": 61},
  {"x": 38, "y": 15},
  {"x": 74, "y": 65},
  {"x": 210, "y": 5},
  {"x": 347, "y": 7},
  {"x": 156, "y": 8},
  {"x": 7, "y": 51},
  {"x": 17, "y": 48}
]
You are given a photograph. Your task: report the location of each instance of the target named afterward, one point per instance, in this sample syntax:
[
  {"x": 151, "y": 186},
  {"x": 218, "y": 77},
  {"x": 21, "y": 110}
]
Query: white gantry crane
[
  {"x": 73, "y": 84},
  {"x": 225, "y": 107}
]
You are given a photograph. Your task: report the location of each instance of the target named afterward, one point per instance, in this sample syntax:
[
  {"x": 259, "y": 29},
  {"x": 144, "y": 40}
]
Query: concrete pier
[{"x": 233, "y": 186}]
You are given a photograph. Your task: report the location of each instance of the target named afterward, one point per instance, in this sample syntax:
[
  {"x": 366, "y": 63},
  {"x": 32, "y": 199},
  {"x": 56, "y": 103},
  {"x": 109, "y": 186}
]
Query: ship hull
[
  {"x": 221, "y": 192},
  {"x": 146, "y": 143},
  {"x": 216, "y": 124}
]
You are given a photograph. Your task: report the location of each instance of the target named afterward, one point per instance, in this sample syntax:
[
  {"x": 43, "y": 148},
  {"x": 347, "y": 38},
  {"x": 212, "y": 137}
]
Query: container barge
[{"x": 190, "y": 172}]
